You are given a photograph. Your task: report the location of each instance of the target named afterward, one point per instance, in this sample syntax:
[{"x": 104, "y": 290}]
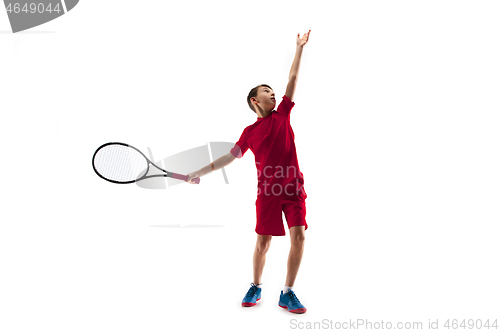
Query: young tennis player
[{"x": 280, "y": 182}]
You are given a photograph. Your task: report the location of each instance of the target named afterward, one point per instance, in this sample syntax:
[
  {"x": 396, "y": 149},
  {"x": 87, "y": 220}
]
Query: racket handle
[{"x": 185, "y": 178}]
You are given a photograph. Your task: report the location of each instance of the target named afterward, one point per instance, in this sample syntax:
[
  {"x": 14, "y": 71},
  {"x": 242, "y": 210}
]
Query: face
[{"x": 265, "y": 98}]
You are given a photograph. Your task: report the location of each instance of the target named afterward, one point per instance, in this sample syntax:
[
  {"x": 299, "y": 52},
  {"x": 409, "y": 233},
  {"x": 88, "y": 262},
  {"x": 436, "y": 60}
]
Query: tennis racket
[{"x": 121, "y": 163}]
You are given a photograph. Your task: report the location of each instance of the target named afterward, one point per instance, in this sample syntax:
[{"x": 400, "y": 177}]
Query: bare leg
[
  {"x": 297, "y": 238},
  {"x": 259, "y": 256}
]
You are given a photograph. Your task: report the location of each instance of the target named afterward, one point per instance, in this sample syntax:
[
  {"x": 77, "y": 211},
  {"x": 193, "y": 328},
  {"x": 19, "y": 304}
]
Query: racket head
[{"x": 120, "y": 163}]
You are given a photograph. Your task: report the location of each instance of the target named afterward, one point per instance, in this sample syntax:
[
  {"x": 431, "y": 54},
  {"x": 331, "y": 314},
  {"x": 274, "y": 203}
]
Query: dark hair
[{"x": 253, "y": 93}]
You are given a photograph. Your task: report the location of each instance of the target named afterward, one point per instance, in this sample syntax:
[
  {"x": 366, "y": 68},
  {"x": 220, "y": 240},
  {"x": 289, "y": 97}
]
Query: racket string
[{"x": 120, "y": 163}]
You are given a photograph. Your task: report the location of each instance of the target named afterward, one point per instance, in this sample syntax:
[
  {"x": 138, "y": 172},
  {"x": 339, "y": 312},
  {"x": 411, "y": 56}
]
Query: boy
[{"x": 280, "y": 182}]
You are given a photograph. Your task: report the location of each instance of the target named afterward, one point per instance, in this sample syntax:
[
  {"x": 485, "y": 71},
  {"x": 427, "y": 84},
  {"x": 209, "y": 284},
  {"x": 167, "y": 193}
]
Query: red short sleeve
[
  {"x": 240, "y": 147},
  {"x": 285, "y": 106}
]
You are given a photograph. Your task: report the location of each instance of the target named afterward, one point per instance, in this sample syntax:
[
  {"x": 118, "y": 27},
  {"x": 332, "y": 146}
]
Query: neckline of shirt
[{"x": 259, "y": 119}]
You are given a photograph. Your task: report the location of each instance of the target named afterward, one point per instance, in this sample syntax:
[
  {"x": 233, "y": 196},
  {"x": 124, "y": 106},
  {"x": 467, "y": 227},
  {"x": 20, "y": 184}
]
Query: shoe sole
[
  {"x": 299, "y": 310},
  {"x": 249, "y": 304}
]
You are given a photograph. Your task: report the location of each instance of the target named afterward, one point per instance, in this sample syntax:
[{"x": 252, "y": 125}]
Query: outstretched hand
[
  {"x": 192, "y": 175},
  {"x": 302, "y": 41}
]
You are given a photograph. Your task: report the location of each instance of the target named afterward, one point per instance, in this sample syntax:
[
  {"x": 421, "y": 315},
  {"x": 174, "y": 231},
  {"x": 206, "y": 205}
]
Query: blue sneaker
[
  {"x": 252, "y": 296},
  {"x": 291, "y": 302}
]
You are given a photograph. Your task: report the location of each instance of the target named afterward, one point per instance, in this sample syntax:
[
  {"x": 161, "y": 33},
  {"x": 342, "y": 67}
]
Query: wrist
[{"x": 201, "y": 172}]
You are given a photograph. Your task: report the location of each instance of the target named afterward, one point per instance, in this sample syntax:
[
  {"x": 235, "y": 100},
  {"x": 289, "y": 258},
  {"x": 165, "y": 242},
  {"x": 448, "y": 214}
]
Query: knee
[
  {"x": 298, "y": 240},
  {"x": 263, "y": 246}
]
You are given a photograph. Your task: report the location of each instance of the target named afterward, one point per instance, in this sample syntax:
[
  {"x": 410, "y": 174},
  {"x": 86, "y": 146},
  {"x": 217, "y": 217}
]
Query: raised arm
[{"x": 294, "y": 72}]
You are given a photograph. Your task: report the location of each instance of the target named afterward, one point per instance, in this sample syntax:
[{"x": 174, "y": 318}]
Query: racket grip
[{"x": 185, "y": 178}]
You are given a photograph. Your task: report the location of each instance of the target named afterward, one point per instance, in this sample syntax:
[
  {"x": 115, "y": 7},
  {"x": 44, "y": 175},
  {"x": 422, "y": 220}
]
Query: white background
[{"x": 396, "y": 126}]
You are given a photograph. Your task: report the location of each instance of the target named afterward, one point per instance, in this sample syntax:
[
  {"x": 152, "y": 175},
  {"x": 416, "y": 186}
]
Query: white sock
[
  {"x": 258, "y": 285},
  {"x": 286, "y": 289}
]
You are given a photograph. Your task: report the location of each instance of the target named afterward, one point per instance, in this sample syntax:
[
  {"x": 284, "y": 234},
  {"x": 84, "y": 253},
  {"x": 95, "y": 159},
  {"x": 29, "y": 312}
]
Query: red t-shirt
[{"x": 271, "y": 139}]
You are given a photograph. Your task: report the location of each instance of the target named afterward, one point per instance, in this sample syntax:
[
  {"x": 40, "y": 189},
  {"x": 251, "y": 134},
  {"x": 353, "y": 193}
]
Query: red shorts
[{"x": 270, "y": 206}]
